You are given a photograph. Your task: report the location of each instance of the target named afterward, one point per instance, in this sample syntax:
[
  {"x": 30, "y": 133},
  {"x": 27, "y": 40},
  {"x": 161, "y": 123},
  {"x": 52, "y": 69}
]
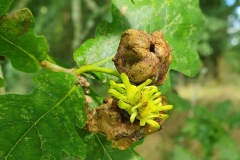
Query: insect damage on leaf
[{"x": 143, "y": 56}]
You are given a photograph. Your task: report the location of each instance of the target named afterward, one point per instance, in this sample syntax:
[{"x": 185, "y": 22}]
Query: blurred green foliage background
[{"x": 206, "y": 119}]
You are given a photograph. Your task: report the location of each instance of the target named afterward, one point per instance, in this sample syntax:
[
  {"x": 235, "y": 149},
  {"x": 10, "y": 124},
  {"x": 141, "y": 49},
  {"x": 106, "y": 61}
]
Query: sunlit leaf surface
[
  {"x": 19, "y": 43},
  {"x": 102, "y": 149},
  {"x": 4, "y": 6},
  {"x": 42, "y": 125},
  {"x": 181, "y": 22}
]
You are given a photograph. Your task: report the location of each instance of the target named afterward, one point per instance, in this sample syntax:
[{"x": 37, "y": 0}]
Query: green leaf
[
  {"x": 227, "y": 148},
  {"x": 102, "y": 149},
  {"x": 223, "y": 110},
  {"x": 181, "y": 153},
  {"x": 106, "y": 42},
  {"x": 1, "y": 82},
  {"x": 178, "y": 102},
  {"x": 96, "y": 99},
  {"x": 234, "y": 120},
  {"x": 4, "y": 6},
  {"x": 19, "y": 43},
  {"x": 42, "y": 125},
  {"x": 98, "y": 91},
  {"x": 181, "y": 21},
  {"x": 166, "y": 86}
]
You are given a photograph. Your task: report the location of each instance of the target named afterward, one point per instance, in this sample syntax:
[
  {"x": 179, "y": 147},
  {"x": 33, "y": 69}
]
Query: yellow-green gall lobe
[{"x": 141, "y": 102}]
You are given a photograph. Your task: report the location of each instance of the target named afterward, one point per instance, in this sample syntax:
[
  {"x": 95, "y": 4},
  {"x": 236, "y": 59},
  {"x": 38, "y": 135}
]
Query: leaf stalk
[{"x": 86, "y": 68}]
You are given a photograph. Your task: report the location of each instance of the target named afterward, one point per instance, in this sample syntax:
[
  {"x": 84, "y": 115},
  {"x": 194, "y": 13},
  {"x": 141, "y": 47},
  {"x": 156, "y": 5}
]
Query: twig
[
  {"x": 89, "y": 68},
  {"x": 56, "y": 68}
]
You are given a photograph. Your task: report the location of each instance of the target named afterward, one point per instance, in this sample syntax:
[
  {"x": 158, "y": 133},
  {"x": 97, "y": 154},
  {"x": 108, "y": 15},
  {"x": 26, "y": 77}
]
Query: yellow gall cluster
[{"x": 142, "y": 102}]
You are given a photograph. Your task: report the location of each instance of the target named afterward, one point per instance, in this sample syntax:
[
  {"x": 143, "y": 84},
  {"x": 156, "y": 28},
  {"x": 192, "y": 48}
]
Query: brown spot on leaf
[
  {"x": 141, "y": 56},
  {"x": 17, "y": 23}
]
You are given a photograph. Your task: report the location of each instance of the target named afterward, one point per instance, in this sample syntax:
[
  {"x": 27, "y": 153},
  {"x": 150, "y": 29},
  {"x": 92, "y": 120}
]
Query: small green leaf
[
  {"x": 223, "y": 110},
  {"x": 1, "y": 82},
  {"x": 178, "y": 102},
  {"x": 166, "y": 86},
  {"x": 106, "y": 42},
  {"x": 181, "y": 21},
  {"x": 102, "y": 149},
  {"x": 181, "y": 153},
  {"x": 42, "y": 125},
  {"x": 96, "y": 99},
  {"x": 227, "y": 148},
  {"x": 4, "y": 6},
  {"x": 234, "y": 120},
  {"x": 19, "y": 43}
]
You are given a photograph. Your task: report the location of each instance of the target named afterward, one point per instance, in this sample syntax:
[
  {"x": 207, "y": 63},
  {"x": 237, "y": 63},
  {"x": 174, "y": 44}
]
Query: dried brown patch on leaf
[{"x": 143, "y": 56}]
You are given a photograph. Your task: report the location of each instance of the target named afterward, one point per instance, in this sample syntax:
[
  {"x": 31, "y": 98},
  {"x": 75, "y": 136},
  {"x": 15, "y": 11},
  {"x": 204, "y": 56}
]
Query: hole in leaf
[{"x": 152, "y": 48}]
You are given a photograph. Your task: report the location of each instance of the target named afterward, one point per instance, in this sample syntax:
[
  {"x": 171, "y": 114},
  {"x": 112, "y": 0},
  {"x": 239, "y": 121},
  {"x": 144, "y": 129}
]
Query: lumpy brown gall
[{"x": 143, "y": 56}]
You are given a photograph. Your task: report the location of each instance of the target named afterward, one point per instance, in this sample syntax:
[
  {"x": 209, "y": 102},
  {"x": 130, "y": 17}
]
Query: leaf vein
[
  {"x": 39, "y": 119},
  {"x": 21, "y": 49},
  {"x": 105, "y": 150}
]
